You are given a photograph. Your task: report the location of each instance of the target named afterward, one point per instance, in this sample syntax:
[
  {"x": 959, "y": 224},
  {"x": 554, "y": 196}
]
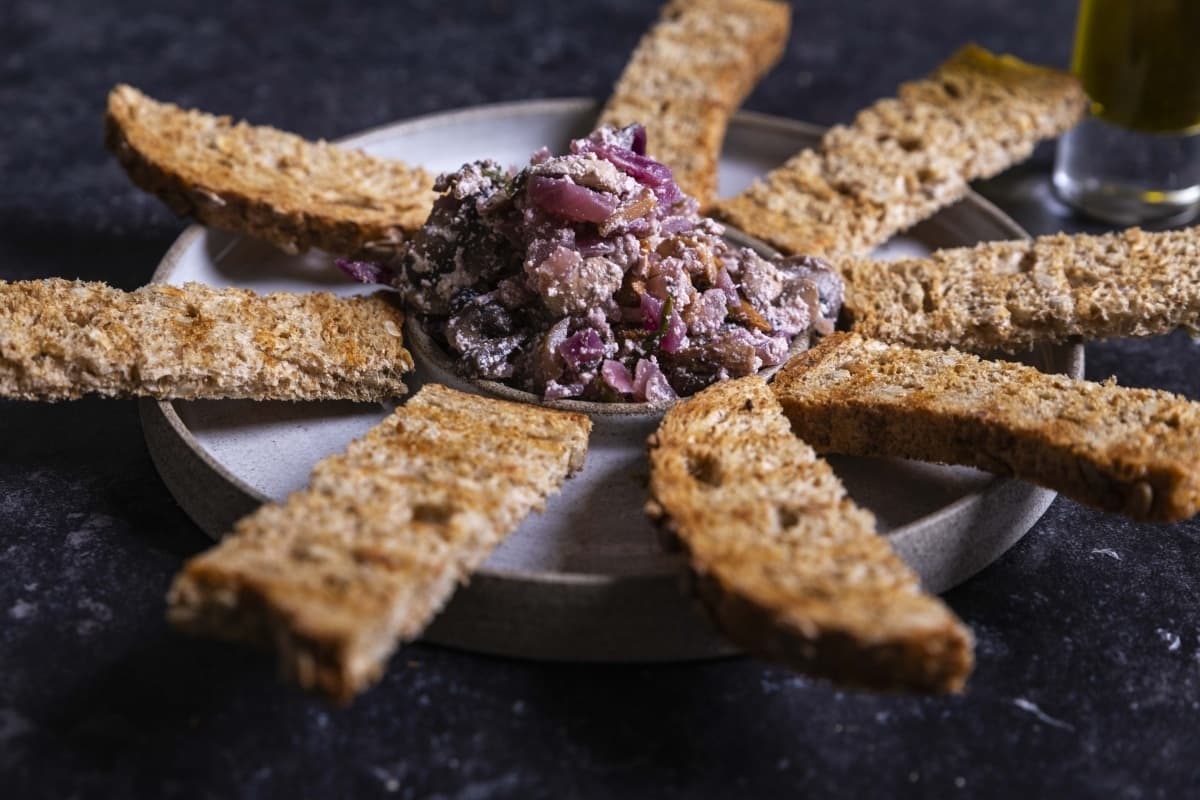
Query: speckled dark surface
[{"x": 1088, "y": 681}]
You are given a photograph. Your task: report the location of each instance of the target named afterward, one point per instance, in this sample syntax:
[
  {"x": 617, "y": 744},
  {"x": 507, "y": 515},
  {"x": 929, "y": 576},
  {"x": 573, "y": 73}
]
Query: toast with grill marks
[
  {"x": 363, "y": 558},
  {"x": 785, "y": 563},
  {"x": 690, "y": 73},
  {"x": 1133, "y": 451},
  {"x": 61, "y": 340},
  {"x": 1010, "y": 296},
  {"x": 904, "y": 158},
  {"x": 264, "y": 182}
]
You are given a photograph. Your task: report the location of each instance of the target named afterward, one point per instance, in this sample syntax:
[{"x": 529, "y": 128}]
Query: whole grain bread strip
[
  {"x": 1134, "y": 451},
  {"x": 361, "y": 560},
  {"x": 60, "y": 340},
  {"x": 1012, "y": 295},
  {"x": 264, "y": 182},
  {"x": 904, "y": 158},
  {"x": 688, "y": 76},
  {"x": 785, "y": 563}
]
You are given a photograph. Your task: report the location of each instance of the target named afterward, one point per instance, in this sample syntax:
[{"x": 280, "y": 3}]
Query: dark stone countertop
[{"x": 1089, "y": 630}]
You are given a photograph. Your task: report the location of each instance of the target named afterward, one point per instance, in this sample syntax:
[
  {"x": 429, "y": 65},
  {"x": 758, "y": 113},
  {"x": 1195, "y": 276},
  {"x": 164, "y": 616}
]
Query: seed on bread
[
  {"x": 361, "y": 560},
  {"x": 1010, "y": 296},
  {"x": 688, "y": 76},
  {"x": 61, "y": 340},
  {"x": 785, "y": 563},
  {"x": 904, "y": 158},
  {"x": 1133, "y": 451},
  {"x": 265, "y": 182}
]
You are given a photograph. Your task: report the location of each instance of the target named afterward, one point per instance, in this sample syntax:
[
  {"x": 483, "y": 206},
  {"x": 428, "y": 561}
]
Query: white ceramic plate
[{"x": 586, "y": 580}]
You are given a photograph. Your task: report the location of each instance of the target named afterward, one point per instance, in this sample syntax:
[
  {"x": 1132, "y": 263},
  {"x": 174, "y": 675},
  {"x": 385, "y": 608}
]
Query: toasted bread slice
[
  {"x": 264, "y": 182},
  {"x": 336, "y": 577},
  {"x": 60, "y": 340},
  {"x": 783, "y": 560},
  {"x": 1134, "y": 451},
  {"x": 904, "y": 158},
  {"x": 689, "y": 74},
  {"x": 1012, "y": 295}
]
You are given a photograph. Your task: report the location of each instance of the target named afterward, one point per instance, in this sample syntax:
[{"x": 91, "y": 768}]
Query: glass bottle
[{"x": 1136, "y": 157}]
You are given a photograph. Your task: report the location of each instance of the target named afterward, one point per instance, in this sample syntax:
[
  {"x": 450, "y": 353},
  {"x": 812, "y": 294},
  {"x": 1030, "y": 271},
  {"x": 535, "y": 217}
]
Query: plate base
[{"x": 586, "y": 580}]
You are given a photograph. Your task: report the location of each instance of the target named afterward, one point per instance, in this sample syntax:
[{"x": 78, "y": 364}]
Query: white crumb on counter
[
  {"x": 22, "y": 609},
  {"x": 1032, "y": 708},
  {"x": 1172, "y": 639}
]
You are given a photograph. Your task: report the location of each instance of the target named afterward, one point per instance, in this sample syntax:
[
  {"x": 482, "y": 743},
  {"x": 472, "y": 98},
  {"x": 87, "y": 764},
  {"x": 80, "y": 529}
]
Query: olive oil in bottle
[
  {"x": 1139, "y": 62},
  {"x": 1137, "y": 156}
]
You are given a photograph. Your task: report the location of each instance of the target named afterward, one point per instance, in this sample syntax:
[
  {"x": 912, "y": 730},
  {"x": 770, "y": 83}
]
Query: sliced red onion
[
  {"x": 675, "y": 335},
  {"x": 651, "y": 312},
  {"x": 668, "y": 194},
  {"x": 650, "y": 384},
  {"x": 365, "y": 271},
  {"x": 582, "y": 349},
  {"x": 617, "y": 376},
  {"x": 658, "y": 388},
  {"x": 541, "y": 155},
  {"x": 563, "y": 198},
  {"x": 645, "y": 170},
  {"x": 725, "y": 284},
  {"x": 640, "y": 373}
]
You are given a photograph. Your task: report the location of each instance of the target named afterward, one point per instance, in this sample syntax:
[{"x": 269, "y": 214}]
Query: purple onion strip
[
  {"x": 562, "y": 198},
  {"x": 674, "y": 335},
  {"x": 617, "y": 376},
  {"x": 582, "y": 349},
  {"x": 651, "y": 312},
  {"x": 365, "y": 271}
]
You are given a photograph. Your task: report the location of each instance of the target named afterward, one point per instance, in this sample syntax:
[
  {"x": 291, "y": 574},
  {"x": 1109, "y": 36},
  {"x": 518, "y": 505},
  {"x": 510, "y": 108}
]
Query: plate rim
[{"x": 897, "y": 536}]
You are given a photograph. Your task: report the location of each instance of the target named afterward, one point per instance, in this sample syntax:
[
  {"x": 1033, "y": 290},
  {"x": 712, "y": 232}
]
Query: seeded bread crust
[
  {"x": 361, "y": 560},
  {"x": 61, "y": 340},
  {"x": 688, "y": 76},
  {"x": 264, "y": 182},
  {"x": 1133, "y": 451},
  {"x": 784, "y": 562},
  {"x": 904, "y": 158},
  {"x": 1010, "y": 296}
]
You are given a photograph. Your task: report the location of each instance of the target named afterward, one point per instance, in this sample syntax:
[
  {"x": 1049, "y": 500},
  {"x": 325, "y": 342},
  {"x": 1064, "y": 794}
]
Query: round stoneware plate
[{"x": 587, "y": 579}]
